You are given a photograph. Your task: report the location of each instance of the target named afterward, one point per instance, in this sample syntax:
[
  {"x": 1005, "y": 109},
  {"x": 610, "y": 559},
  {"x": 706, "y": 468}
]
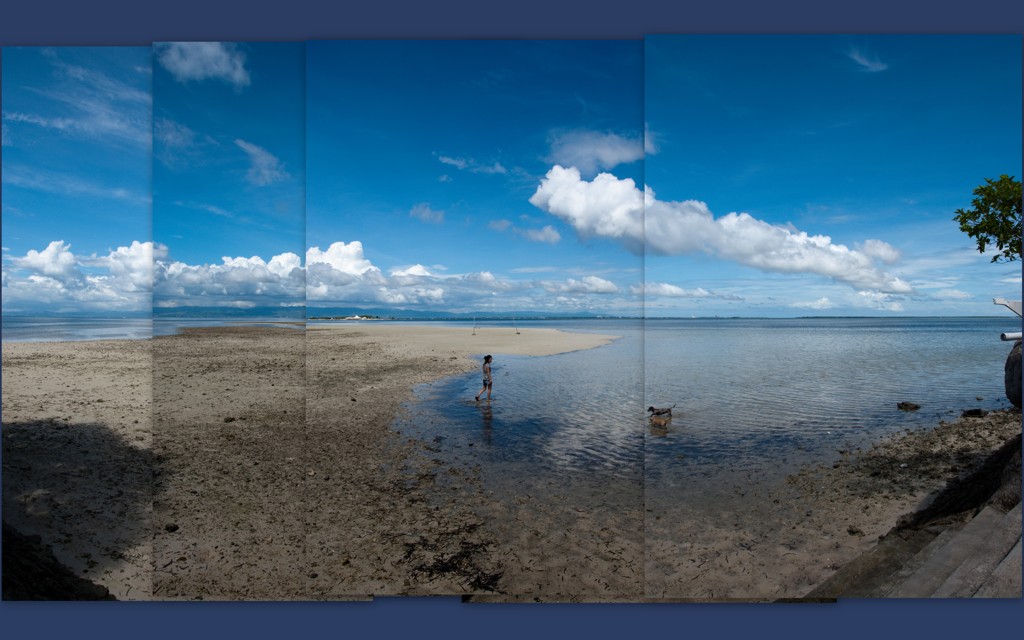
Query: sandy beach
[
  {"x": 77, "y": 456},
  {"x": 270, "y": 470}
]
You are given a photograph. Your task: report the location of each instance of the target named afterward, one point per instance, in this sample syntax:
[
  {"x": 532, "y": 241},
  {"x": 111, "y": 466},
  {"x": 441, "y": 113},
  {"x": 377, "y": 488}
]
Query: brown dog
[{"x": 661, "y": 421}]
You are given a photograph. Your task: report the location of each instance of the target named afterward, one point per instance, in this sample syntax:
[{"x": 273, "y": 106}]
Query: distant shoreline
[{"x": 20, "y": 328}]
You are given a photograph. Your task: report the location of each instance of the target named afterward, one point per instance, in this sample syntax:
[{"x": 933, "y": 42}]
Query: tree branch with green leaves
[{"x": 994, "y": 217}]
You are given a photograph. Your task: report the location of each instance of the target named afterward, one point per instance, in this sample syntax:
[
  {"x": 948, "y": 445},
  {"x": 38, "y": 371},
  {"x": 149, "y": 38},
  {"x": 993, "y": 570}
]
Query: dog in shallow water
[
  {"x": 667, "y": 411},
  {"x": 661, "y": 420}
]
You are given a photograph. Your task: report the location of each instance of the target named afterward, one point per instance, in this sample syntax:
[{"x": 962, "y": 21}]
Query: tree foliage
[{"x": 994, "y": 217}]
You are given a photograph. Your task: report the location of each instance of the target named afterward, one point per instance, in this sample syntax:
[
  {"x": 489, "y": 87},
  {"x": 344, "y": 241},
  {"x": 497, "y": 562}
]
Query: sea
[
  {"x": 55, "y": 329},
  {"x": 768, "y": 396}
]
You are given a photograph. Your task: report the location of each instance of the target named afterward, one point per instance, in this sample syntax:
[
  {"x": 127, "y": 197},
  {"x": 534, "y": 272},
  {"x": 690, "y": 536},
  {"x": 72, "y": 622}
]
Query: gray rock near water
[
  {"x": 1011, "y": 375},
  {"x": 907, "y": 406}
]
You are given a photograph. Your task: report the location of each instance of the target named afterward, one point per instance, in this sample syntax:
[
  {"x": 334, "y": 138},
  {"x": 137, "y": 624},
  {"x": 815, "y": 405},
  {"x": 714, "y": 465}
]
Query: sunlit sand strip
[{"x": 466, "y": 341}]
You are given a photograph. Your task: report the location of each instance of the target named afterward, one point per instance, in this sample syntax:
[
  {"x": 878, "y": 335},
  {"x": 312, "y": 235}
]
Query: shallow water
[
  {"x": 775, "y": 394},
  {"x": 764, "y": 396},
  {"x": 27, "y": 329},
  {"x": 559, "y": 423}
]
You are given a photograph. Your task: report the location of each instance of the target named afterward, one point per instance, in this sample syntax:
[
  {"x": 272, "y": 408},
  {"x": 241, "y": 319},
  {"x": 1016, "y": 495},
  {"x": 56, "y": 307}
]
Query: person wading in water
[{"x": 487, "y": 379}]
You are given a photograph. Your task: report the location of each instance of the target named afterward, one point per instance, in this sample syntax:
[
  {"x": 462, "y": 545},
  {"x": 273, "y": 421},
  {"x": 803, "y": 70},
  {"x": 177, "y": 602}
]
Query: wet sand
[
  {"x": 229, "y": 494},
  {"x": 800, "y": 531},
  {"x": 270, "y": 471},
  {"x": 395, "y": 520}
]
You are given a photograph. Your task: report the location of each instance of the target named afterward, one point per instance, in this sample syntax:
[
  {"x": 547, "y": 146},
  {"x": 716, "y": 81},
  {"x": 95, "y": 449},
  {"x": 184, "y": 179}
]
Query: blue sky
[
  {"x": 873, "y": 142},
  {"x": 784, "y": 175},
  {"x": 76, "y": 180},
  {"x": 228, "y": 173},
  {"x": 423, "y": 158}
]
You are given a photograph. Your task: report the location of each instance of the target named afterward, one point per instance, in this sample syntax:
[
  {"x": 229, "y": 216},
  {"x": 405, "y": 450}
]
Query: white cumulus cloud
[
  {"x": 415, "y": 271},
  {"x": 235, "y": 281},
  {"x": 593, "y": 151},
  {"x": 55, "y": 261},
  {"x": 586, "y": 284},
  {"x": 819, "y": 304},
  {"x": 606, "y": 206},
  {"x": 198, "y": 61},
  {"x": 55, "y": 279},
  {"x": 612, "y": 208},
  {"x": 878, "y": 300},
  {"x": 666, "y": 290}
]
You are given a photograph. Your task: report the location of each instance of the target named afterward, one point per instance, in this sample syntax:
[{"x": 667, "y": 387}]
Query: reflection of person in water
[
  {"x": 487, "y": 379},
  {"x": 487, "y": 416}
]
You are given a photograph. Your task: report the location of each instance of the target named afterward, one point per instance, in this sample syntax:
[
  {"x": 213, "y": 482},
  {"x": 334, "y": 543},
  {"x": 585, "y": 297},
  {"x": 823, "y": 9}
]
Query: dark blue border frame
[{"x": 131, "y": 22}]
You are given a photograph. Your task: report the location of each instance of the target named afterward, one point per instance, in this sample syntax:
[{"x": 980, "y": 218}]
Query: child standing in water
[{"x": 487, "y": 379}]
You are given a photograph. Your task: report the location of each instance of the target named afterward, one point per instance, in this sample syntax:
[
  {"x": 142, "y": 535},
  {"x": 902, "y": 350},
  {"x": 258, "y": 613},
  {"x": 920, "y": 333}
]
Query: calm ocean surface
[
  {"x": 27, "y": 329},
  {"x": 770, "y": 395}
]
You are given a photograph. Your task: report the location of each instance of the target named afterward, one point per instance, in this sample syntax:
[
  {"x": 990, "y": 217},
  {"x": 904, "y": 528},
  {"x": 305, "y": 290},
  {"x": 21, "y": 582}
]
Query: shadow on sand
[{"x": 87, "y": 494}]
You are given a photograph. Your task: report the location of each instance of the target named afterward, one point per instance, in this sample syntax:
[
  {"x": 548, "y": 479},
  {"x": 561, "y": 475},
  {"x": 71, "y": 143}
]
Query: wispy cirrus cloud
[
  {"x": 546, "y": 234},
  {"x": 88, "y": 104},
  {"x": 178, "y": 146},
  {"x": 423, "y": 212},
  {"x": 264, "y": 167},
  {"x": 473, "y": 166},
  {"x": 69, "y": 185},
  {"x": 198, "y": 61},
  {"x": 866, "y": 61},
  {"x": 651, "y": 141},
  {"x": 209, "y": 208},
  {"x": 951, "y": 294}
]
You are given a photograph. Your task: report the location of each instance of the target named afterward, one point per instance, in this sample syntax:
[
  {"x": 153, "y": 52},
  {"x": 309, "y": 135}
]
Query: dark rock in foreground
[{"x": 1011, "y": 375}]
